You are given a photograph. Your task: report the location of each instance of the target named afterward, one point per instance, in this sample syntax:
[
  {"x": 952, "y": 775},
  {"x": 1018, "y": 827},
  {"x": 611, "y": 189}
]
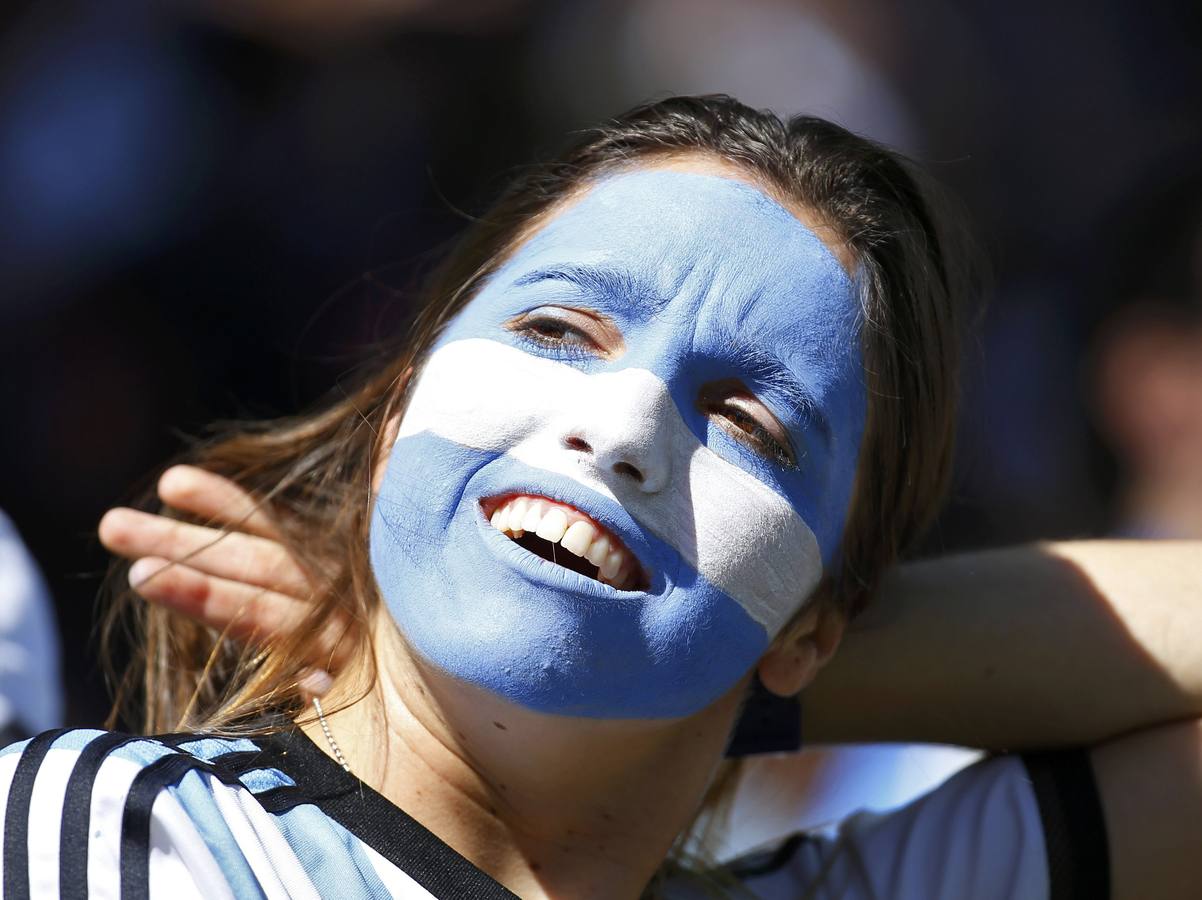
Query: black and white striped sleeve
[
  {"x": 82, "y": 818},
  {"x": 90, "y": 813}
]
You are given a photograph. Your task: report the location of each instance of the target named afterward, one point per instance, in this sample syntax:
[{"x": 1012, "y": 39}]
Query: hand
[{"x": 233, "y": 574}]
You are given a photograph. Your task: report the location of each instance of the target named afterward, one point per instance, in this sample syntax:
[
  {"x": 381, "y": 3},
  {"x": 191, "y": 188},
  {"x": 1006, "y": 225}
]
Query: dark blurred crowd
[{"x": 208, "y": 207}]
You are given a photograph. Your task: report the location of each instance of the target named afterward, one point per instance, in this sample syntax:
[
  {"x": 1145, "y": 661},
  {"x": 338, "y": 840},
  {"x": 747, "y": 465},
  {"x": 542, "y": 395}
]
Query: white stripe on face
[{"x": 736, "y": 532}]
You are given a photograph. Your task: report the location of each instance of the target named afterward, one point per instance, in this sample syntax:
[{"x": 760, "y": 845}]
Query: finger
[
  {"x": 245, "y": 612},
  {"x": 257, "y": 561},
  {"x": 220, "y": 501}
]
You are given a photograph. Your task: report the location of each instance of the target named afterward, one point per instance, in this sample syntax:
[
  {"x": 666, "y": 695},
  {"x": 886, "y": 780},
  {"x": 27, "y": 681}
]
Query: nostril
[
  {"x": 576, "y": 443},
  {"x": 625, "y": 468}
]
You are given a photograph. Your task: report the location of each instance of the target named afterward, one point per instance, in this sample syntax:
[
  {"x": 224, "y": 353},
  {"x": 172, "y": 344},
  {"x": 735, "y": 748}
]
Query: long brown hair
[{"x": 312, "y": 472}]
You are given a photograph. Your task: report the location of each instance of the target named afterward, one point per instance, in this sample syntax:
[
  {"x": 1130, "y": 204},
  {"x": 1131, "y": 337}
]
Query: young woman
[{"x": 671, "y": 409}]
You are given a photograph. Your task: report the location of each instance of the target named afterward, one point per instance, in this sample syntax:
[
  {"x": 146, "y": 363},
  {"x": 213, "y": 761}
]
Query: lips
[{"x": 565, "y": 536}]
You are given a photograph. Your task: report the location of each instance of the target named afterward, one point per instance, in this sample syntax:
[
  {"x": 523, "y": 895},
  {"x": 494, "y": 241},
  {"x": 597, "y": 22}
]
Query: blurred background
[{"x": 208, "y": 206}]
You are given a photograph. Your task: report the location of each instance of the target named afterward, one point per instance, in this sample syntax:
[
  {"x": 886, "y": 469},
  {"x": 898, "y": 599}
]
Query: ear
[{"x": 801, "y": 650}]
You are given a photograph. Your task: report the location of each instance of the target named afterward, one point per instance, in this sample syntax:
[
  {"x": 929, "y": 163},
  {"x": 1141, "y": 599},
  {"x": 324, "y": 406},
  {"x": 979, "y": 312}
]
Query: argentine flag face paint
[{"x": 708, "y": 281}]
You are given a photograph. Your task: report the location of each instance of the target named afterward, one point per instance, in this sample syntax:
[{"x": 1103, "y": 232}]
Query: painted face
[{"x": 660, "y": 396}]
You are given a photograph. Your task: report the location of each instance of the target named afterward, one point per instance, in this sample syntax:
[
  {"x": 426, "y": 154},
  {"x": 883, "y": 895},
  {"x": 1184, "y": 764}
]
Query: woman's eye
[
  {"x": 745, "y": 427},
  {"x": 555, "y": 333}
]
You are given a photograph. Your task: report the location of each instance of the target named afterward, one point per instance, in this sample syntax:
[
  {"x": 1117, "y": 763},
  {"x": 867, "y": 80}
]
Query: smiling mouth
[{"x": 564, "y": 536}]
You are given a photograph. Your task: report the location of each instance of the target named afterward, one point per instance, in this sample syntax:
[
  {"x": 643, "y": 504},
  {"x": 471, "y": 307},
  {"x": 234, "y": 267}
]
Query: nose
[{"x": 623, "y": 429}]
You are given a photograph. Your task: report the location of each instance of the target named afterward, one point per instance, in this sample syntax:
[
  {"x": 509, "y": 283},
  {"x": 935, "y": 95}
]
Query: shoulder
[
  {"x": 85, "y": 809},
  {"x": 1008, "y": 827},
  {"x": 105, "y": 814}
]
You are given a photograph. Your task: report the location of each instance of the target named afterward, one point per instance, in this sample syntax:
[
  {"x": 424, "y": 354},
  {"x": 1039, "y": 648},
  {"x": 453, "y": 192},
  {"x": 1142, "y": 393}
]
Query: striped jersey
[{"x": 102, "y": 814}]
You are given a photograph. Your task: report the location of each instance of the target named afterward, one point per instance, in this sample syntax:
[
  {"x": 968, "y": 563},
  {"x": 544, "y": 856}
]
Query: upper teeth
[{"x": 571, "y": 530}]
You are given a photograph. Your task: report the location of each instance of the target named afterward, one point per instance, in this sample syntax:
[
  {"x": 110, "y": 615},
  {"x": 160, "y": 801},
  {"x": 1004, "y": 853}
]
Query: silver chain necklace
[{"x": 321, "y": 717}]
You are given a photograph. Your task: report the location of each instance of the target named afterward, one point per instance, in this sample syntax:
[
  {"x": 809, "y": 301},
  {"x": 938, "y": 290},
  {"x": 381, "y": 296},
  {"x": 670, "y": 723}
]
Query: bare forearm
[{"x": 1049, "y": 644}]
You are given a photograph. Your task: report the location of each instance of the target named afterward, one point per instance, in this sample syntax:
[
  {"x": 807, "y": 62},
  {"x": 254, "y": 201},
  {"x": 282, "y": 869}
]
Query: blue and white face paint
[{"x": 706, "y": 284}]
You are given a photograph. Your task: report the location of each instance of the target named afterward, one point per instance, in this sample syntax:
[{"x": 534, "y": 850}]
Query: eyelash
[
  {"x": 746, "y": 428},
  {"x": 526, "y": 329}
]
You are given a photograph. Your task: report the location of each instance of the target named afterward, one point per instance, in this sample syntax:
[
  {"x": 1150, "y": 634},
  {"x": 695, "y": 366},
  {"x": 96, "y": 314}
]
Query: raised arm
[
  {"x": 1096, "y": 644},
  {"x": 1037, "y": 645}
]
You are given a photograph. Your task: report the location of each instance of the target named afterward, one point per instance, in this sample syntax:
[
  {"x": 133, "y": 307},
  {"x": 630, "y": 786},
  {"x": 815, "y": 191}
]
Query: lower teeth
[{"x": 544, "y": 549}]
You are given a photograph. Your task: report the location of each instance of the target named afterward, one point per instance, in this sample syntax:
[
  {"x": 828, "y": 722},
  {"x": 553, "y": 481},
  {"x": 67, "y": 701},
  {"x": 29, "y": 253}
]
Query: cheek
[
  {"x": 479, "y": 393},
  {"x": 746, "y": 539}
]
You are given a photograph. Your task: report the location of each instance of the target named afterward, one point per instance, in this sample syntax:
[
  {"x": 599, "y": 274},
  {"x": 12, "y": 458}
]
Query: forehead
[{"x": 710, "y": 258}]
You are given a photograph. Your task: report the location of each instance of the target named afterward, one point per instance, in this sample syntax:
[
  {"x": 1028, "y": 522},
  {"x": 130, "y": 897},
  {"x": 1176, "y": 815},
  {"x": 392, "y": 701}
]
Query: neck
[{"x": 550, "y": 806}]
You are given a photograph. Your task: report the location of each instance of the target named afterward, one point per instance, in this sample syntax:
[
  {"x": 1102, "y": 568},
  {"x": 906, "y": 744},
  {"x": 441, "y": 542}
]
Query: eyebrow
[
  {"x": 605, "y": 281},
  {"x": 770, "y": 370}
]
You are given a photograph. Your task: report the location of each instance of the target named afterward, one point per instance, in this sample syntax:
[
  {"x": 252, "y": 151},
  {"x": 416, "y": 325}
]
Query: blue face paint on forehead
[{"x": 707, "y": 280}]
